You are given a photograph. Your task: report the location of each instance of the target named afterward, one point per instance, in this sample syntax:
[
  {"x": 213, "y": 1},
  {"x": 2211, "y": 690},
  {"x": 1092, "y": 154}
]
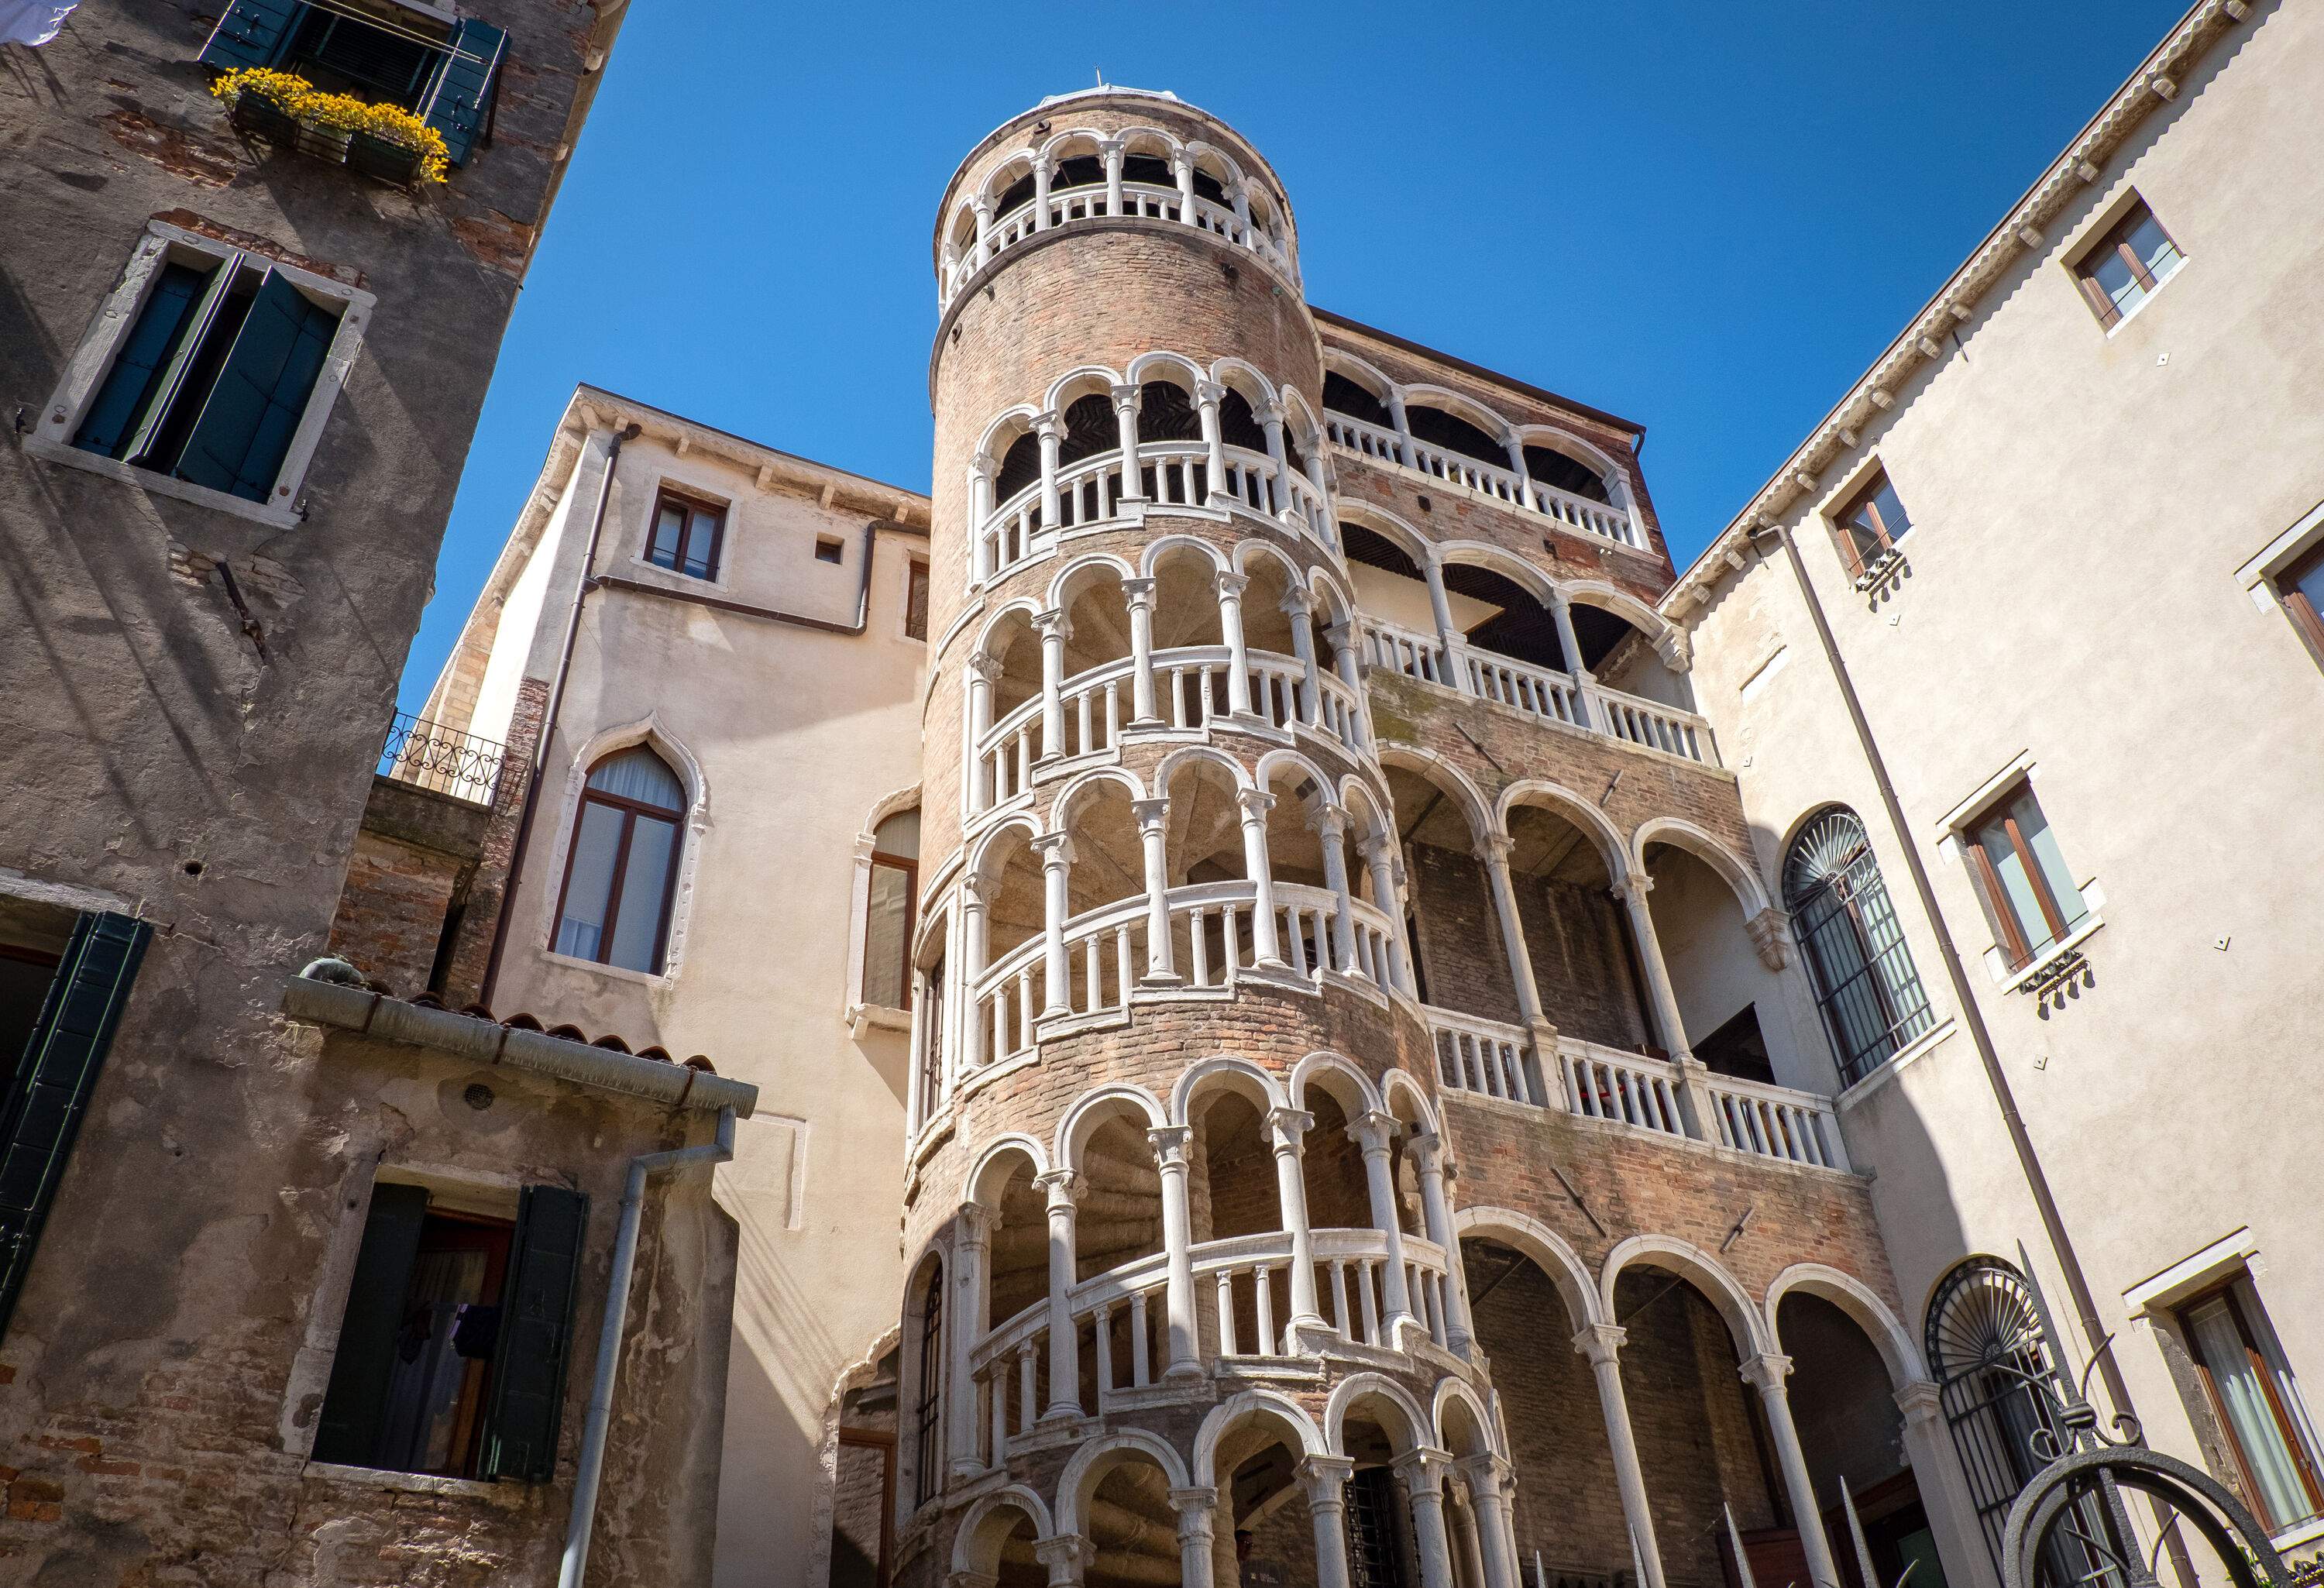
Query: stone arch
[
  {"x": 1398, "y": 1086},
  {"x": 1578, "y": 450},
  {"x": 1898, "y": 1349},
  {"x": 1158, "y": 549},
  {"x": 1350, "y": 1086},
  {"x": 1094, "y": 1459},
  {"x": 1073, "y": 1128},
  {"x": 1087, "y": 380},
  {"x": 1455, "y": 1396},
  {"x": 1005, "y": 172},
  {"x": 1178, "y": 759},
  {"x": 1500, "y": 560},
  {"x": 1565, "y": 802},
  {"x": 1389, "y": 527},
  {"x": 1023, "y": 607},
  {"x": 1062, "y": 810},
  {"x": 1277, "y": 762},
  {"x": 1223, "y": 1072},
  {"x": 891, "y": 804},
  {"x": 1367, "y": 1390},
  {"x": 1680, "y": 833},
  {"x": 1699, "y": 1268},
  {"x": 1242, "y": 375},
  {"x": 1547, "y": 1250},
  {"x": 1022, "y": 821},
  {"x": 1160, "y": 363},
  {"x": 1007, "y": 425},
  {"x": 1433, "y": 768},
  {"x": 1349, "y": 367},
  {"x": 1270, "y": 1406},
  {"x": 976, "y": 1545},
  {"x": 1459, "y": 405},
  {"x": 994, "y": 1166},
  {"x": 1669, "y": 641}
]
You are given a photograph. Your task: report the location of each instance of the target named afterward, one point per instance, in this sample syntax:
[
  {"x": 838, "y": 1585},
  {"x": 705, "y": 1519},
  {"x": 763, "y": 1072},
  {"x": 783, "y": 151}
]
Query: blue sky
[{"x": 1707, "y": 218}]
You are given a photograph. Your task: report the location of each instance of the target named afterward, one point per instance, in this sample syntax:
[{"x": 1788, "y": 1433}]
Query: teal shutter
[
  {"x": 356, "y": 1399},
  {"x": 49, "y": 1092},
  {"x": 455, "y": 104},
  {"x": 136, "y": 374},
  {"x": 528, "y": 1398},
  {"x": 252, "y": 33},
  {"x": 238, "y": 443}
]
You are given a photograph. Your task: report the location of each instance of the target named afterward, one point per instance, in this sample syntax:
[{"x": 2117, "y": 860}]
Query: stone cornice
[{"x": 2025, "y": 229}]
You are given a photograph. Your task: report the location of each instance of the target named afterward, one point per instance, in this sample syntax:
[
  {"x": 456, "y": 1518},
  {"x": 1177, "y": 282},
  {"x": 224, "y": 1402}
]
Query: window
[
  {"x": 827, "y": 549},
  {"x": 623, "y": 865},
  {"x": 443, "y": 72},
  {"x": 2301, "y": 588},
  {"x": 207, "y": 376},
  {"x": 1870, "y": 526},
  {"x": 916, "y": 598},
  {"x": 686, "y": 535},
  {"x": 2123, "y": 268},
  {"x": 451, "y": 1354},
  {"x": 928, "y": 1475},
  {"x": 2257, "y": 1402},
  {"x": 2021, "y": 877},
  {"x": 887, "y": 912},
  {"x": 1865, "y": 983}
]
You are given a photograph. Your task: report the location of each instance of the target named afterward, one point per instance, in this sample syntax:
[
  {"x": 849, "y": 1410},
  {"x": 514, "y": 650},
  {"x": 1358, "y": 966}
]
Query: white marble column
[
  {"x": 972, "y": 1248},
  {"x": 1767, "y": 1373},
  {"x": 1449, "y": 638},
  {"x": 1138, "y": 595},
  {"x": 1485, "y": 1475},
  {"x": 1126, "y": 400},
  {"x": 1562, "y": 611},
  {"x": 1300, "y": 608},
  {"x": 1054, "y": 631},
  {"x": 1287, "y": 1133},
  {"x": 983, "y": 205},
  {"x": 1270, "y": 421},
  {"x": 1231, "y": 587},
  {"x": 1944, "y": 1488},
  {"x": 1602, "y": 1344},
  {"x": 1112, "y": 150},
  {"x": 1694, "y": 1096},
  {"x": 1050, "y": 428},
  {"x": 1378, "y": 856},
  {"x": 1197, "y": 1510},
  {"x": 1371, "y": 1132},
  {"x": 1170, "y": 1144},
  {"x": 1330, "y": 824},
  {"x": 1042, "y": 177},
  {"x": 1208, "y": 395},
  {"x": 1325, "y": 1480},
  {"x": 1421, "y": 1475},
  {"x": 1516, "y": 450},
  {"x": 1254, "y": 805},
  {"x": 1064, "y": 1346},
  {"x": 983, "y": 671},
  {"x": 1153, "y": 823},
  {"x": 976, "y": 936},
  {"x": 1057, "y": 853},
  {"x": 1493, "y": 854},
  {"x": 1182, "y": 167},
  {"x": 1067, "y": 1554},
  {"x": 1427, "y": 1151},
  {"x": 981, "y": 562}
]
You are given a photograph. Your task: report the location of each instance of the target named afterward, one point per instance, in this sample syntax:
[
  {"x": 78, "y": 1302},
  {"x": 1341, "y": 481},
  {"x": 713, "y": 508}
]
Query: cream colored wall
[
  {"x": 2081, "y": 503},
  {"x": 790, "y": 736},
  {"x": 520, "y": 615}
]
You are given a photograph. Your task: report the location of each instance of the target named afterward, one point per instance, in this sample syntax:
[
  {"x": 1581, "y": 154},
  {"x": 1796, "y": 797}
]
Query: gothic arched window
[
  {"x": 1865, "y": 980},
  {"x": 622, "y": 869}
]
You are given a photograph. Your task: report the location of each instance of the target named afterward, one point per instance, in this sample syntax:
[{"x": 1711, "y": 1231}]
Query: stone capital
[
  {"x": 1422, "y": 1470},
  {"x": 1487, "y": 1471},
  {"x": 1055, "y": 849},
  {"x": 984, "y": 464},
  {"x": 984, "y": 668},
  {"x": 1372, "y": 1130},
  {"x": 983, "y": 204},
  {"x": 1633, "y": 887},
  {"x": 1255, "y": 803},
  {"x": 1493, "y": 850},
  {"x": 1296, "y": 601},
  {"x": 1325, "y": 1477},
  {"x": 974, "y": 891},
  {"x": 1059, "y": 1185},
  {"x": 1151, "y": 813},
  {"x": 1231, "y": 586},
  {"x": 1769, "y": 936},
  {"x": 1767, "y": 1371},
  {"x": 1427, "y": 1148},
  {"x": 1049, "y": 426},
  {"x": 1052, "y": 625},
  {"x": 1269, "y": 413},
  {"x": 1170, "y": 1144},
  {"x": 1127, "y": 397},
  {"x": 1600, "y": 1342},
  {"x": 1196, "y": 1510},
  {"x": 970, "y": 1580},
  {"x": 1067, "y": 1554},
  {"x": 1138, "y": 592},
  {"x": 1289, "y": 1127},
  {"x": 975, "y": 1229},
  {"x": 1209, "y": 393},
  {"x": 1920, "y": 1402},
  {"x": 1329, "y": 823}
]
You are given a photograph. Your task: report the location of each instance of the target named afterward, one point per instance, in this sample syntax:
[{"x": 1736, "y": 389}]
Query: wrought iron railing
[{"x": 430, "y": 756}]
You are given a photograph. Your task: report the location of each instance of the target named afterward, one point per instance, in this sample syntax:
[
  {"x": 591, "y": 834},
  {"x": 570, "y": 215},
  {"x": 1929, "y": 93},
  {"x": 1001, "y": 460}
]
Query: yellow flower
[{"x": 299, "y": 99}]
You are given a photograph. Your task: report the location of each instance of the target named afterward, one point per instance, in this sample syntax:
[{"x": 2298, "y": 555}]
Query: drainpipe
[
  {"x": 609, "y": 1340},
  {"x": 2029, "y": 1161},
  {"x": 629, "y": 432}
]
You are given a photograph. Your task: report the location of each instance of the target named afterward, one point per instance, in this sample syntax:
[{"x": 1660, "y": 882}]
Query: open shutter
[
  {"x": 145, "y": 353},
  {"x": 252, "y": 33},
  {"x": 356, "y": 1399},
  {"x": 49, "y": 1092},
  {"x": 456, "y": 103},
  {"x": 528, "y": 1399},
  {"x": 238, "y": 443}
]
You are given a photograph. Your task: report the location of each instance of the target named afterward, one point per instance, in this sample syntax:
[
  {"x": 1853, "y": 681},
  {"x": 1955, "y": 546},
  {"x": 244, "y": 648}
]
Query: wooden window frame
[
  {"x": 2295, "y": 603},
  {"x": 689, "y": 503},
  {"x": 917, "y": 571},
  {"x": 631, "y": 810},
  {"x": 1843, "y": 523},
  {"x": 2116, "y": 240},
  {"x": 2015, "y": 945},
  {"x": 885, "y": 1443},
  {"x": 911, "y": 870},
  {"x": 2310, "y": 1479}
]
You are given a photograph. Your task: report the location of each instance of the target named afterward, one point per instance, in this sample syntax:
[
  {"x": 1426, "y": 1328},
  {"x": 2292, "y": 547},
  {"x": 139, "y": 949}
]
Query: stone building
[{"x": 299, "y": 1284}]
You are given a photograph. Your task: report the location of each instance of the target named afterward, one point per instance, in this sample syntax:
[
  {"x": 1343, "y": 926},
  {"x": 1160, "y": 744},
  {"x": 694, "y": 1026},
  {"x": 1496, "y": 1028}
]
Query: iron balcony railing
[{"x": 430, "y": 756}]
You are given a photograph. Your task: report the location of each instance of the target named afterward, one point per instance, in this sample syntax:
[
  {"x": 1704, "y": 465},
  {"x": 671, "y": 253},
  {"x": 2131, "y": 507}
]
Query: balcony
[
  {"x": 1145, "y": 200},
  {"x": 459, "y": 766},
  {"x": 1506, "y": 486},
  {"x": 1636, "y": 1093},
  {"x": 1541, "y": 693}
]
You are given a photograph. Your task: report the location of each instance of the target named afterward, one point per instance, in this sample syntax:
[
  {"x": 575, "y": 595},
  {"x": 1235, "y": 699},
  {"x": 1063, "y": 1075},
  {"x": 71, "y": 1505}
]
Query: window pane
[
  {"x": 2310, "y": 582},
  {"x": 916, "y": 602},
  {"x": 701, "y": 538},
  {"x": 2113, "y": 274},
  {"x": 645, "y": 883},
  {"x": 883, "y": 937},
  {"x": 2243, "y": 1398},
  {"x": 899, "y": 835},
  {"x": 2035, "y": 827},
  {"x": 669, "y": 525},
  {"x": 641, "y": 775},
  {"x": 1884, "y": 501},
  {"x": 589, "y": 885},
  {"x": 2016, "y": 887},
  {"x": 2153, "y": 247}
]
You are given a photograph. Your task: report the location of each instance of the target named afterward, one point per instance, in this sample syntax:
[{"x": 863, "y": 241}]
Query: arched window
[
  {"x": 887, "y": 912},
  {"x": 928, "y": 1476},
  {"x": 1865, "y": 980},
  {"x": 623, "y": 865}
]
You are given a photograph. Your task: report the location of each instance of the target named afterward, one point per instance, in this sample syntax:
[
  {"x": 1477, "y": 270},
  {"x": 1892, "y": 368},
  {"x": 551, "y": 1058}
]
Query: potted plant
[
  {"x": 390, "y": 145},
  {"x": 384, "y": 141}
]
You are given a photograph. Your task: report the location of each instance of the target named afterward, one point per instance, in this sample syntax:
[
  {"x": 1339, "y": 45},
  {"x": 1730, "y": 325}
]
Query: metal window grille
[
  {"x": 1375, "y": 1556},
  {"x": 926, "y": 1477},
  {"x": 1866, "y": 985},
  {"x": 458, "y": 764}
]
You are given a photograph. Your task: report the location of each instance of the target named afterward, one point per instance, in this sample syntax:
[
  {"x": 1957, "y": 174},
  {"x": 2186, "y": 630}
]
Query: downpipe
[{"x": 594, "y": 1430}]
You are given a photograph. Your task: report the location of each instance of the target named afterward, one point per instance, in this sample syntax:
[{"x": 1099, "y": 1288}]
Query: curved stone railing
[
  {"x": 1147, "y": 201},
  {"x": 1504, "y": 485}
]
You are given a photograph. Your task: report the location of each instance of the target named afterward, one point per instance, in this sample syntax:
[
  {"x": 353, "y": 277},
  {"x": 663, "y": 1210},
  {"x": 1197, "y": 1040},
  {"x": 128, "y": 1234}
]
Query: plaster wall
[{"x": 2094, "y": 620}]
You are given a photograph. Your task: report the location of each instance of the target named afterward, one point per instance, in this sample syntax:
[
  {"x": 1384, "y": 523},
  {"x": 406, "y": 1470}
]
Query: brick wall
[
  {"x": 391, "y": 910},
  {"x": 1460, "y": 932},
  {"x": 1581, "y": 961},
  {"x": 480, "y": 913}
]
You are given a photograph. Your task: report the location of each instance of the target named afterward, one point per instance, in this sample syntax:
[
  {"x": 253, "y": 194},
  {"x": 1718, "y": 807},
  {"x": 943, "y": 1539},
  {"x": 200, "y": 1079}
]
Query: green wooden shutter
[
  {"x": 244, "y": 432},
  {"x": 252, "y": 33},
  {"x": 454, "y": 106},
  {"x": 49, "y": 1092},
  {"x": 145, "y": 353},
  {"x": 353, "y": 1404},
  {"x": 528, "y": 1399}
]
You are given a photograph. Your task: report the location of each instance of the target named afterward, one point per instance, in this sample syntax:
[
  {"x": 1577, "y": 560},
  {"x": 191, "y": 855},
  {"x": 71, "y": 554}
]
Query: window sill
[
  {"x": 867, "y": 1016},
  {"x": 2065, "y": 948},
  {"x": 617, "y": 972},
  {"x": 505, "y": 1495},
  {"x": 2307, "y": 1532},
  {"x": 1885, "y": 1071},
  {"x": 284, "y": 517}
]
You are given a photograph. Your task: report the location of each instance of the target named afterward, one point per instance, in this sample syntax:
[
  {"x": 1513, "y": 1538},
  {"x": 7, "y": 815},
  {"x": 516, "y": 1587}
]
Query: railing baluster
[{"x": 1226, "y": 1313}]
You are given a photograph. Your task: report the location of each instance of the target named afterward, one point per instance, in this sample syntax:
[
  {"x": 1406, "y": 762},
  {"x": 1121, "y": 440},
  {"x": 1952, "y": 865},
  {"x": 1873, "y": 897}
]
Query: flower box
[
  {"x": 383, "y": 158},
  {"x": 265, "y": 119},
  {"x": 383, "y": 142}
]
